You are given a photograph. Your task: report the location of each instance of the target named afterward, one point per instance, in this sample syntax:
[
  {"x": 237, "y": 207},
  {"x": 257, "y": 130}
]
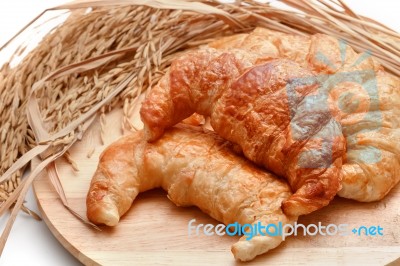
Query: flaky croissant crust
[
  {"x": 271, "y": 108},
  {"x": 367, "y": 97},
  {"x": 195, "y": 168}
]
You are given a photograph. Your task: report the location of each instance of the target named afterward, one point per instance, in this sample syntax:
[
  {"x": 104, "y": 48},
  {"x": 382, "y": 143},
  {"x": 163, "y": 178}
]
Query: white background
[{"x": 30, "y": 242}]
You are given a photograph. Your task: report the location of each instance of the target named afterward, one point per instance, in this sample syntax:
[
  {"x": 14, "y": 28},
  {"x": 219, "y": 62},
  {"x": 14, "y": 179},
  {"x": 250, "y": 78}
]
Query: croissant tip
[
  {"x": 151, "y": 135},
  {"x": 240, "y": 256},
  {"x": 109, "y": 217}
]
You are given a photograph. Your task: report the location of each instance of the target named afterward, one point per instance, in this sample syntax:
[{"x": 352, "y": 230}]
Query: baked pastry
[
  {"x": 195, "y": 168},
  {"x": 271, "y": 108},
  {"x": 367, "y": 97}
]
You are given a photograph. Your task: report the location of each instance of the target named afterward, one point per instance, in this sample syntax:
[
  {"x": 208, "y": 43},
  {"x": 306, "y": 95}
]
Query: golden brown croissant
[
  {"x": 368, "y": 99},
  {"x": 195, "y": 168},
  {"x": 271, "y": 108}
]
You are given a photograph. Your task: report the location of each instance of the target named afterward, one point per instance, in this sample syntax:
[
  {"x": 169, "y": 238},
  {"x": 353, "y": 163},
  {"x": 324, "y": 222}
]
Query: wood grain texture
[{"x": 155, "y": 231}]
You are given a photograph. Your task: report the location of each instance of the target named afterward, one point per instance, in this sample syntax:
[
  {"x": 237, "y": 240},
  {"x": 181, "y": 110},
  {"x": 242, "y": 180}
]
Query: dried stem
[{"x": 94, "y": 61}]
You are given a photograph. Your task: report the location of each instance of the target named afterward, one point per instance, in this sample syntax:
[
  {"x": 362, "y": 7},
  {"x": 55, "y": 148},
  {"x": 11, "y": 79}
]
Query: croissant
[
  {"x": 368, "y": 99},
  {"x": 271, "y": 108},
  {"x": 195, "y": 168}
]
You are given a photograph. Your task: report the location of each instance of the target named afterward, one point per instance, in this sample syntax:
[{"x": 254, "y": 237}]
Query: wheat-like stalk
[{"x": 107, "y": 56}]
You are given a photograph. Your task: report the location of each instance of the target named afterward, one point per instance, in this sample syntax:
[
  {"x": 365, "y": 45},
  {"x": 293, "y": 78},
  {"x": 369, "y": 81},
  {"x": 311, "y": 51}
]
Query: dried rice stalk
[{"x": 107, "y": 56}]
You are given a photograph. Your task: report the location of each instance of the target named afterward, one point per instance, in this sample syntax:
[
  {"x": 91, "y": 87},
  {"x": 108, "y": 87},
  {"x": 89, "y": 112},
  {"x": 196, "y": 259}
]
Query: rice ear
[{"x": 108, "y": 52}]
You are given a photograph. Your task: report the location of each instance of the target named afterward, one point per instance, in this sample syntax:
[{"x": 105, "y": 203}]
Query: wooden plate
[{"x": 155, "y": 231}]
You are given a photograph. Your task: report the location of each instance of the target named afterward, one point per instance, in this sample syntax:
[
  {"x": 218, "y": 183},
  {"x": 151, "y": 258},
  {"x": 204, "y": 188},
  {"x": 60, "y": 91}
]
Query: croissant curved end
[
  {"x": 152, "y": 134},
  {"x": 246, "y": 250},
  {"x": 310, "y": 197},
  {"x": 103, "y": 213}
]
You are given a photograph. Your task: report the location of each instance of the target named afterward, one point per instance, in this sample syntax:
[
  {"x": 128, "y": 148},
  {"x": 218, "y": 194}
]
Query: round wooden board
[{"x": 155, "y": 231}]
